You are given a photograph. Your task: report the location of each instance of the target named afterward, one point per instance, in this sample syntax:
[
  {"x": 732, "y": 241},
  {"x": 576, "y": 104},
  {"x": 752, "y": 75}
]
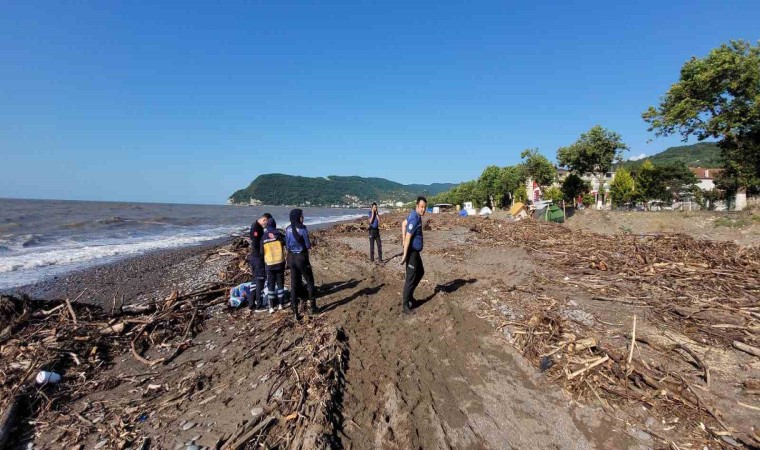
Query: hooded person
[
  {"x": 298, "y": 245},
  {"x": 273, "y": 251}
]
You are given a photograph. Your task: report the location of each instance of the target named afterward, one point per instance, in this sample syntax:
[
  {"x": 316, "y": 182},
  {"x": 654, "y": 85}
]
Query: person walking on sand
[
  {"x": 298, "y": 245},
  {"x": 273, "y": 249},
  {"x": 411, "y": 257},
  {"x": 374, "y": 235},
  {"x": 256, "y": 260}
]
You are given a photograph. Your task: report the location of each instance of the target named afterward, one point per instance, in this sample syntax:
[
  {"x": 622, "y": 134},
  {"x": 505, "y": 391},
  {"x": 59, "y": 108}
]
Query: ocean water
[{"x": 40, "y": 239}]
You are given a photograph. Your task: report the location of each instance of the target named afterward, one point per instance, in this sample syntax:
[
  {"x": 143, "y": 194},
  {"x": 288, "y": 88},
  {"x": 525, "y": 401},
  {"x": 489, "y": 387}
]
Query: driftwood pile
[
  {"x": 707, "y": 291},
  {"x": 303, "y": 405},
  {"x": 80, "y": 341},
  {"x": 77, "y": 341}
]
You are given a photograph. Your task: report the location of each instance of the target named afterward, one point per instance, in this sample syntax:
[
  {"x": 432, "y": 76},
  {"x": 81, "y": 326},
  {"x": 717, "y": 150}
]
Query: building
[{"x": 705, "y": 177}]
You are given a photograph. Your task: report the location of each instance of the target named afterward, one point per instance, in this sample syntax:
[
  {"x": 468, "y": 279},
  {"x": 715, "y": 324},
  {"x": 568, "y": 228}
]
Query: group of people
[{"x": 272, "y": 248}]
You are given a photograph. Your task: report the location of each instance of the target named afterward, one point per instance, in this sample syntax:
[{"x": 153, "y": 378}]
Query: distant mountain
[
  {"x": 702, "y": 154},
  {"x": 281, "y": 189}
]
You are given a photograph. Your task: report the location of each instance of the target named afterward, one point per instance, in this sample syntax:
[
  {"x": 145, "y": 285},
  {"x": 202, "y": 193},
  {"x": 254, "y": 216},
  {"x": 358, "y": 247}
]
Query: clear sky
[{"x": 188, "y": 101}]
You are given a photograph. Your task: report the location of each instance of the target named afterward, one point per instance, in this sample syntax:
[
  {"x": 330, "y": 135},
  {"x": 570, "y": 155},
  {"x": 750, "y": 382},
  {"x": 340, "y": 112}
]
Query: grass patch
[{"x": 737, "y": 222}]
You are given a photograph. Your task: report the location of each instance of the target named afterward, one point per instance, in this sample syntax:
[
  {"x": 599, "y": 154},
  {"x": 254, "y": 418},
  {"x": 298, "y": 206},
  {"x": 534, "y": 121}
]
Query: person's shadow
[
  {"x": 336, "y": 286},
  {"x": 447, "y": 288},
  {"x": 352, "y": 297}
]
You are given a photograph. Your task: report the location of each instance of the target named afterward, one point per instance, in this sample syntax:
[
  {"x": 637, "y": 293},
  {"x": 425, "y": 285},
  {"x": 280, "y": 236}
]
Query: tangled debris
[
  {"x": 79, "y": 340},
  {"x": 83, "y": 343},
  {"x": 704, "y": 290}
]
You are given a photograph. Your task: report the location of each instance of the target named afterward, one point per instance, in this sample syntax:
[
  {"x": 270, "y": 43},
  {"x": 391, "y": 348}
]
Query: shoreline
[{"x": 138, "y": 278}]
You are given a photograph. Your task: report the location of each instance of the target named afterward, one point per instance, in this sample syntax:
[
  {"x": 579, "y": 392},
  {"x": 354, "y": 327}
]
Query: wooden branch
[
  {"x": 8, "y": 420},
  {"x": 143, "y": 360},
  {"x": 633, "y": 341},
  {"x": 747, "y": 348},
  {"x": 71, "y": 309},
  {"x": 699, "y": 361},
  {"x": 242, "y": 440},
  {"x": 590, "y": 366},
  {"x": 181, "y": 347}
]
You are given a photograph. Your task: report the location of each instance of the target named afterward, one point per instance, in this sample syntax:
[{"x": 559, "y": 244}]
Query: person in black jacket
[
  {"x": 374, "y": 235},
  {"x": 298, "y": 245},
  {"x": 256, "y": 260}
]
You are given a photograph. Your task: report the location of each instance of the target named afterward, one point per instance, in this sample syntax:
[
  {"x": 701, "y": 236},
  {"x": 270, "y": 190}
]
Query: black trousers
[
  {"x": 374, "y": 236},
  {"x": 258, "y": 277},
  {"x": 300, "y": 266},
  {"x": 276, "y": 286},
  {"x": 414, "y": 273}
]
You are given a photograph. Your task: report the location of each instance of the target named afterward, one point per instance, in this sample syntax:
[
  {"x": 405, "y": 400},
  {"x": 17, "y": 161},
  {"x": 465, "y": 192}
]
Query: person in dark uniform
[
  {"x": 256, "y": 260},
  {"x": 411, "y": 256},
  {"x": 374, "y": 235},
  {"x": 273, "y": 250},
  {"x": 298, "y": 245}
]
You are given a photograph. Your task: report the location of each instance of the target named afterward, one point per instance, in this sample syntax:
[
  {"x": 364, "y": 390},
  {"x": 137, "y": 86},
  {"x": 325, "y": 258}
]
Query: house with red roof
[{"x": 705, "y": 177}]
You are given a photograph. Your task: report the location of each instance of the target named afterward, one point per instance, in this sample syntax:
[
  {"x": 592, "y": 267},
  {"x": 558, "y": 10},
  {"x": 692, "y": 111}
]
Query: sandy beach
[{"x": 521, "y": 339}]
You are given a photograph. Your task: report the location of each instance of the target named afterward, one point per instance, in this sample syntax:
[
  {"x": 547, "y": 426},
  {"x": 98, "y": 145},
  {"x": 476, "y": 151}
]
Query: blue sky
[{"x": 189, "y": 101}]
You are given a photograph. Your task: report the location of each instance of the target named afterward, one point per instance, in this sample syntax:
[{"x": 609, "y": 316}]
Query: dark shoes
[
  {"x": 313, "y": 309},
  {"x": 407, "y": 309}
]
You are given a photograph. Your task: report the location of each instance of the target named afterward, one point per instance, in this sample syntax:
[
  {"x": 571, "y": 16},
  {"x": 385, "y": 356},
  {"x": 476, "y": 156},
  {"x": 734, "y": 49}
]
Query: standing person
[
  {"x": 411, "y": 256},
  {"x": 298, "y": 245},
  {"x": 273, "y": 249},
  {"x": 256, "y": 260},
  {"x": 374, "y": 234}
]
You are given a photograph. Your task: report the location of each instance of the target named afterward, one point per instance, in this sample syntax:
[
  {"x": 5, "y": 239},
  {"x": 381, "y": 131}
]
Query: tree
[
  {"x": 622, "y": 187},
  {"x": 594, "y": 152},
  {"x": 573, "y": 186},
  {"x": 718, "y": 96},
  {"x": 466, "y": 192},
  {"x": 648, "y": 183},
  {"x": 512, "y": 180},
  {"x": 554, "y": 194},
  {"x": 677, "y": 181},
  {"x": 489, "y": 186},
  {"x": 520, "y": 195},
  {"x": 538, "y": 167}
]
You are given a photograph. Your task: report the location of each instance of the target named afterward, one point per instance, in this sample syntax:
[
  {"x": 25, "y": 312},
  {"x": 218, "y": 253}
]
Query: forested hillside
[
  {"x": 281, "y": 189},
  {"x": 702, "y": 154}
]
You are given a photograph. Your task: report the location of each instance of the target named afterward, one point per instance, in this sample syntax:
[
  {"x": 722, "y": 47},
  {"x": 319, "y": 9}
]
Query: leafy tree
[
  {"x": 512, "y": 180},
  {"x": 554, "y": 194},
  {"x": 489, "y": 186},
  {"x": 538, "y": 167},
  {"x": 707, "y": 198},
  {"x": 718, "y": 96},
  {"x": 573, "y": 186},
  {"x": 520, "y": 195},
  {"x": 594, "y": 152},
  {"x": 648, "y": 183},
  {"x": 466, "y": 192},
  {"x": 677, "y": 180},
  {"x": 622, "y": 187},
  {"x": 742, "y": 163}
]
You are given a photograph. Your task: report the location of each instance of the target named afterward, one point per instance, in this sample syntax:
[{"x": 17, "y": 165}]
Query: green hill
[
  {"x": 702, "y": 154},
  {"x": 281, "y": 189}
]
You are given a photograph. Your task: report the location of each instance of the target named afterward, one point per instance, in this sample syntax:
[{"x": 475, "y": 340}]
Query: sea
[{"x": 42, "y": 239}]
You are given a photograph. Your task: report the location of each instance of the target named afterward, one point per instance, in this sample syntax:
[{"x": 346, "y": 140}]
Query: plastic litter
[{"x": 45, "y": 377}]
